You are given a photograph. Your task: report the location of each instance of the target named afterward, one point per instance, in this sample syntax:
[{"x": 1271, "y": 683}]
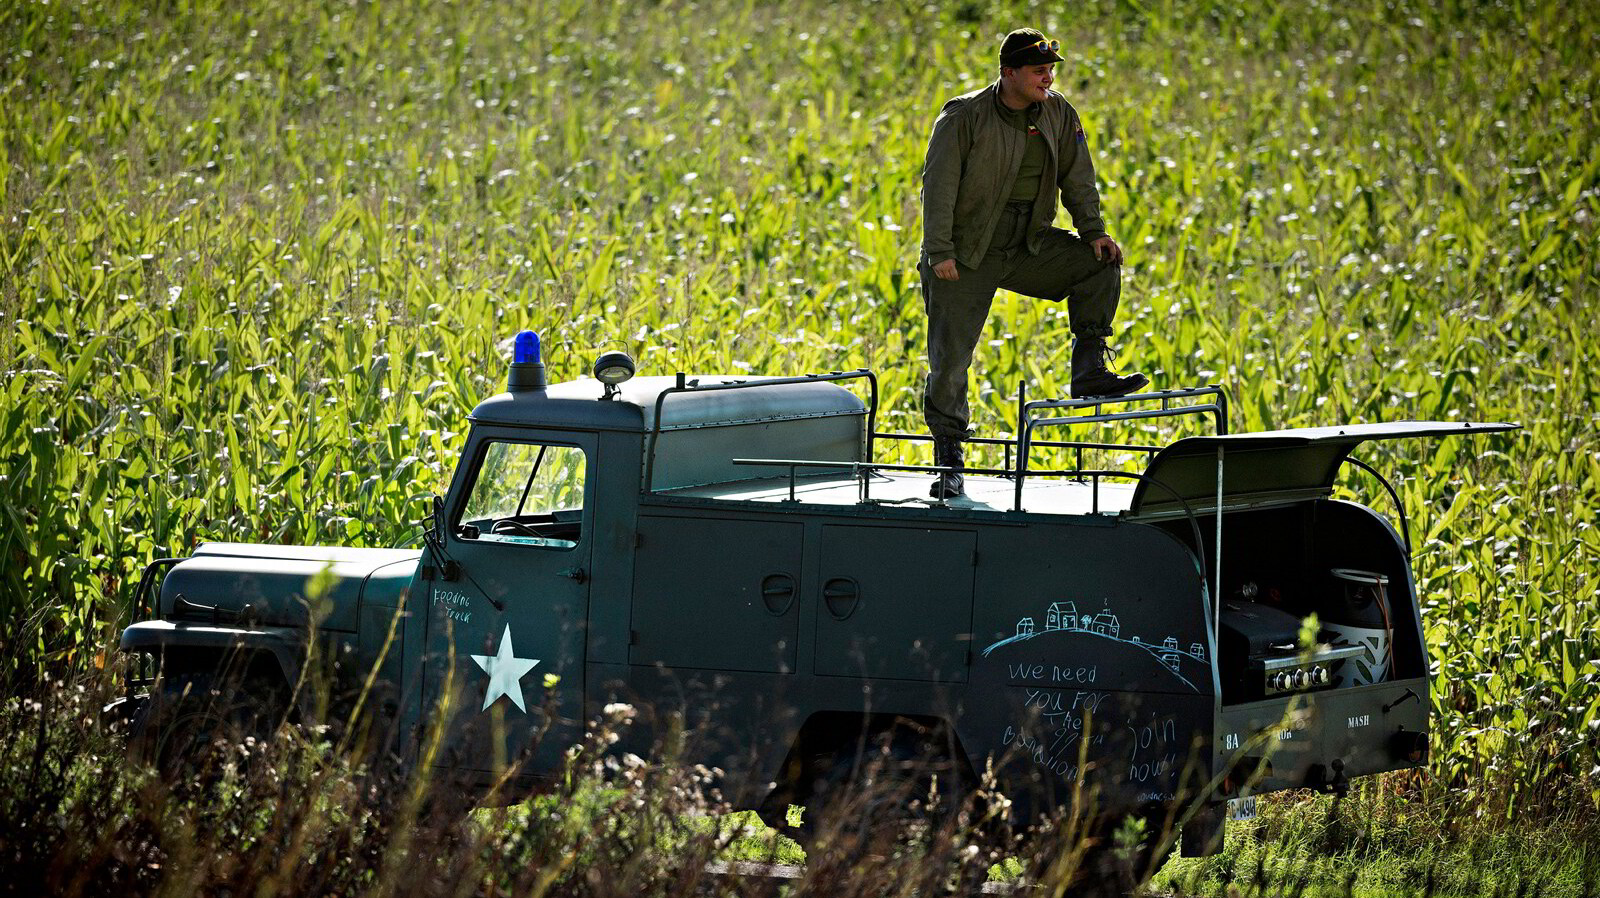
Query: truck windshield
[{"x": 526, "y": 493}]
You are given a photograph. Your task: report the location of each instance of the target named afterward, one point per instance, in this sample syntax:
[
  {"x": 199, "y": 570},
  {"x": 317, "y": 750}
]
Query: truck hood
[{"x": 220, "y": 580}]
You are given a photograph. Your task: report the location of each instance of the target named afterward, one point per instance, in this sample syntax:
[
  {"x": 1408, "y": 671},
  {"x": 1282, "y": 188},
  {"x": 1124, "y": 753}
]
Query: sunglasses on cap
[{"x": 1046, "y": 45}]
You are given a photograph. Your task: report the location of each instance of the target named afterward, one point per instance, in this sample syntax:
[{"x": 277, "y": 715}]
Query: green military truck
[{"x": 723, "y": 553}]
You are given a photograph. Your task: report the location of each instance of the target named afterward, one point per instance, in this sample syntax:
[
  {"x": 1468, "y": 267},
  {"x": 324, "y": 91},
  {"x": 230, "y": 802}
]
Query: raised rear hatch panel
[{"x": 1269, "y": 466}]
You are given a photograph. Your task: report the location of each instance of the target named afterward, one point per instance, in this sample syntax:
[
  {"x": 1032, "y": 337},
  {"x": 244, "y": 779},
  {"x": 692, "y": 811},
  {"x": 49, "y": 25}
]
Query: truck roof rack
[
  {"x": 1169, "y": 403},
  {"x": 1172, "y": 403}
]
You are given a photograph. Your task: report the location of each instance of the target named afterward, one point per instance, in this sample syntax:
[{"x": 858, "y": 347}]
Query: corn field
[{"x": 258, "y": 260}]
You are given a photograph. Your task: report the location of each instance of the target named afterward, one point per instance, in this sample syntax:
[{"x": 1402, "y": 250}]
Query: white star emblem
[{"x": 505, "y": 671}]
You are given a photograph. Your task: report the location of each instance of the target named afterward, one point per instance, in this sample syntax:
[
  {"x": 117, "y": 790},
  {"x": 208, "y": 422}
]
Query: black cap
[{"x": 1021, "y": 47}]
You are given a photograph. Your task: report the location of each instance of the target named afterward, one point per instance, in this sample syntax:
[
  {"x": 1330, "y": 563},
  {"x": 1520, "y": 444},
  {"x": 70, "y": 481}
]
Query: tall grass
[
  {"x": 290, "y": 815},
  {"x": 257, "y": 260}
]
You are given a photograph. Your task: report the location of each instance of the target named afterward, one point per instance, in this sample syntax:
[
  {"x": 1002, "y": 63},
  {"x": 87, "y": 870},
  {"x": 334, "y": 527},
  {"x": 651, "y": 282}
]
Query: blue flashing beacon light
[
  {"x": 527, "y": 369},
  {"x": 527, "y": 349}
]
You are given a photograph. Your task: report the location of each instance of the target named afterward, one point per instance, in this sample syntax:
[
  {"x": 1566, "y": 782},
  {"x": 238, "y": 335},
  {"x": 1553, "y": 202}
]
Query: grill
[{"x": 1267, "y": 641}]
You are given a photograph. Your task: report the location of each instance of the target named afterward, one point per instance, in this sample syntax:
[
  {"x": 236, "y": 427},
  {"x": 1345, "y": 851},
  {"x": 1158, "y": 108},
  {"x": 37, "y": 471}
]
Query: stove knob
[
  {"x": 1277, "y": 681},
  {"x": 1319, "y": 676},
  {"x": 1299, "y": 679}
]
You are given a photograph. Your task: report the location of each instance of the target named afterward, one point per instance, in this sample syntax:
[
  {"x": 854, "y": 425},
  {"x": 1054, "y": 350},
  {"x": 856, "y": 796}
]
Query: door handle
[
  {"x": 777, "y": 592},
  {"x": 576, "y": 574},
  {"x": 841, "y": 596}
]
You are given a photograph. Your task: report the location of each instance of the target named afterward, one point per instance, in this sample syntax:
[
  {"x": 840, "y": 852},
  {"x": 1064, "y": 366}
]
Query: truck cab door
[{"x": 507, "y": 601}]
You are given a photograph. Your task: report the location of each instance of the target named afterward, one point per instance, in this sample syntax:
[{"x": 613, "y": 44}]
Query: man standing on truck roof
[{"x": 995, "y": 160}]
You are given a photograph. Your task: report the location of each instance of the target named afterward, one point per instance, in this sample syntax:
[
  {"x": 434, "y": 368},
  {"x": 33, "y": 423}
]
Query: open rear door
[{"x": 1267, "y": 467}]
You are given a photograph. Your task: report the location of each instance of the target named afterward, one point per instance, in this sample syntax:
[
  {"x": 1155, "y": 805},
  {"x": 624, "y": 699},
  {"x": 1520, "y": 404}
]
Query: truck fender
[{"x": 283, "y": 649}]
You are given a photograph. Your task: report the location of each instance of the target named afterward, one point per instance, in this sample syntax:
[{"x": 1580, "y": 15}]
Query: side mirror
[
  {"x": 433, "y": 524},
  {"x": 433, "y": 534},
  {"x": 436, "y": 515}
]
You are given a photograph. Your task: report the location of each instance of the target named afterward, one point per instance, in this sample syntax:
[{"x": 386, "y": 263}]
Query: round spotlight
[{"x": 611, "y": 369}]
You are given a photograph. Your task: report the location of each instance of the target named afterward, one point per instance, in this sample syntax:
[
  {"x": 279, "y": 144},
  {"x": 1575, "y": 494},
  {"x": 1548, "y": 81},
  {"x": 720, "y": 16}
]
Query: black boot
[
  {"x": 1091, "y": 377},
  {"x": 947, "y": 454}
]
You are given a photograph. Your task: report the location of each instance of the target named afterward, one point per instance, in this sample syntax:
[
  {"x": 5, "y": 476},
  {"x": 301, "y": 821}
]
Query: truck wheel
[
  {"x": 1107, "y": 871},
  {"x": 871, "y": 795},
  {"x": 195, "y": 722}
]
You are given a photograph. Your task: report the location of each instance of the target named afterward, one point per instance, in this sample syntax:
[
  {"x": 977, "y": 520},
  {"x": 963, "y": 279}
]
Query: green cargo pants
[{"x": 1064, "y": 268}]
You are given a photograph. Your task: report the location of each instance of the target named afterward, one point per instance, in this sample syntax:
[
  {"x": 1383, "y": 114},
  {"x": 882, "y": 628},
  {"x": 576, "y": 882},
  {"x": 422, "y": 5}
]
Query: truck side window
[{"x": 528, "y": 494}]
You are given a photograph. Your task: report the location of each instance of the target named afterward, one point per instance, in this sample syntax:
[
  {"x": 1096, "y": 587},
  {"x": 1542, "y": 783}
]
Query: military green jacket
[{"x": 973, "y": 157}]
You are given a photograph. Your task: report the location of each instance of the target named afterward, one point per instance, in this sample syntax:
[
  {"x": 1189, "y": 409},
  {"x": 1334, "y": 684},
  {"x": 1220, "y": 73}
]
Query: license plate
[{"x": 1242, "y": 808}]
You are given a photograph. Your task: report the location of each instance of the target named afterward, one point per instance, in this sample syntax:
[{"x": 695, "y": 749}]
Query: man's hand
[
  {"x": 946, "y": 270},
  {"x": 1107, "y": 250}
]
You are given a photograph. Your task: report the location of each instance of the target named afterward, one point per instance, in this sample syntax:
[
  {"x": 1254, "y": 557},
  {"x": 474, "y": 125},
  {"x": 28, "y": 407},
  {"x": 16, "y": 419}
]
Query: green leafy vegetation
[{"x": 257, "y": 260}]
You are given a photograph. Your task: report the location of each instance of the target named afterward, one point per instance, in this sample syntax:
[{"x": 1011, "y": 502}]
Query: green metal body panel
[
  {"x": 744, "y": 617},
  {"x": 522, "y": 605},
  {"x": 934, "y": 639},
  {"x": 286, "y": 646},
  {"x": 720, "y": 596},
  {"x": 272, "y": 591},
  {"x": 886, "y": 613},
  {"x": 274, "y": 582}
]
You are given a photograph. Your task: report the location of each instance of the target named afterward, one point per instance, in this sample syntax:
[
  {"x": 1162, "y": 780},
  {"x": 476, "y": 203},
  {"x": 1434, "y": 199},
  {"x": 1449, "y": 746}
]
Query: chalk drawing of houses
[
  {"x": 1063, "y": 616},
  {"x": 1105, "y": 623}
]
